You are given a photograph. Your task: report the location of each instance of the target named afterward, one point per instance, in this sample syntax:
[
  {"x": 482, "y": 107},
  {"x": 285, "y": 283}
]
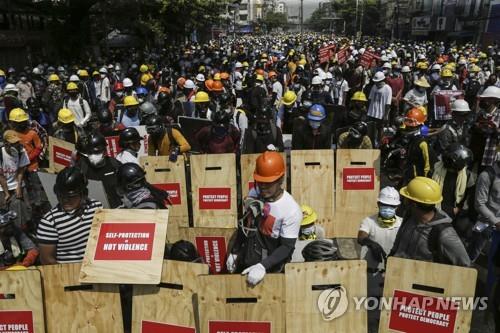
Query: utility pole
[
  {"x": 361, "y": 19},
  {"x": 301, "y": 16},
  {"x": 356, "y": 19}
]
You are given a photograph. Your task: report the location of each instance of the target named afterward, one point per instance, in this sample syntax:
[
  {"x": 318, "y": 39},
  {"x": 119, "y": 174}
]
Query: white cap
[
  {"x": 74, "y": 78},
  {"x": 389, "y": 196},
  {"x": 238, "y": 65},
  {"x": 127, "y": 82},
  {"x": 491, "y": 92},
  {"x": 316, "y": 80},
  {"x": 200, "y": 78},
  {"x": 379, "y": 76},
  {"x": 189, "y": 84}
]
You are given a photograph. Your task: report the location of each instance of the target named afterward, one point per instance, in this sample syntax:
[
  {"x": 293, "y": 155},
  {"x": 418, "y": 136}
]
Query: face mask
[
  {"x": 140, "y": 100},
  {"x": 24, "y": 78},
  {"x": 380, "y": 84},
  {"x": 385, "y": 71},
  {"x": 308, "y": 230},
  {"x": 314, "y": 124},
  {"x": 103, "y": 76},
  {"x": 387, "y": 212},
  {"x": 119, "y": 93},
  {"x": 95, "y": 159},
  {"x": 472, "y": 75}
]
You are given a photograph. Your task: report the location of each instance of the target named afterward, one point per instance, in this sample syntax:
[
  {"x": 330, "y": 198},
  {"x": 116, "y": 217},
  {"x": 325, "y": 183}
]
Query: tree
[{"x": 274, "y": 20}]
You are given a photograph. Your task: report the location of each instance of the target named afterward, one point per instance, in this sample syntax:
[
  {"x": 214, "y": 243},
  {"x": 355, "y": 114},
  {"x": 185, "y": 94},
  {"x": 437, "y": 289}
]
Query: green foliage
[{"x": 274, "y": 20}]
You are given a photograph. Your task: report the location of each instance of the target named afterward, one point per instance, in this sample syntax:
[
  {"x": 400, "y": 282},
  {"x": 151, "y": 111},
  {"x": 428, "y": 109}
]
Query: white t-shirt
[
  {"x": 278, "y": 90},
  {"x": 416, "y": 97},
  {"x": 127, "y": 157},
  {"x": 10, "y": 165},
  {"x": 81, "y": 116},
  {"x": 379, "y": 98},
  {"x": 283, "y": 219},
  {"x": 338, "y": 90},
  {"x": 384, "y": 236}
]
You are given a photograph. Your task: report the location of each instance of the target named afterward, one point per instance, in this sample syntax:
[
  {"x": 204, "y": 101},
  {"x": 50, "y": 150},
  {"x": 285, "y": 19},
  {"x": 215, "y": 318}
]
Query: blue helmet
[
  {"x": 316, "y": 113},
  {"x": 141, "y": 91}
]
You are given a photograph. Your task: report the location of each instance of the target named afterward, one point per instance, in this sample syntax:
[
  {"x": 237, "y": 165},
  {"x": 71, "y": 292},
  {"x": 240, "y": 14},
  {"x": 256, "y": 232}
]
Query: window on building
[
  {"x": 243, "y": 17},
  {"x": 243, "y": 6}
]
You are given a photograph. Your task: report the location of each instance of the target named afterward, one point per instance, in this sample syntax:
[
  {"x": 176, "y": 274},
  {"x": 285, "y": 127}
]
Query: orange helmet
[
  {"x": 209, "y": 83},
  {"x": 259, "y": 71},
  {"x": 269, "y": 167},
  {"x": 180, "y": 82},
  {"x": 164, "y": 90},
  {"x": 217, "y": 86},
  {"x": 224, "y": 76},
  {"x": 271, "y": 74},
  {"x": 415, "y": 117},
  {"x": 440, "y": 60}
]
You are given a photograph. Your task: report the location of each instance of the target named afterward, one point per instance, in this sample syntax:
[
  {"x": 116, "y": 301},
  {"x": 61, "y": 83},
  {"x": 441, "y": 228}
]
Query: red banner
[
  {"x": 62, "y": 156},
  {"x": 213, "y": 252},
  {"x": 16, "y": 322},
  {"x": 152, "y": 327},
  {"x": 358, "y": 178},
  {"x": 325, "y": 53},
  {"x": 239, "y": 327},
  {"x": 442, "y": 103},
  {"x": 416, "y": 313},
  {"x": 125, "y": 241},
  {"x": 367, "y": 59},
  {"x": 173, "y": 190},
  {"x": 214, "y": 198},
  {"x": 342, "y": 55},
  {"x": 113, "y": 147}
]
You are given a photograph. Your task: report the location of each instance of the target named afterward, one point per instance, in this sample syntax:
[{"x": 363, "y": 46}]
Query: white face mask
[
  {"x": 95, "y": 159},
  {"x": 119, "y": 93},
  {"x": 103, "y": 76}
]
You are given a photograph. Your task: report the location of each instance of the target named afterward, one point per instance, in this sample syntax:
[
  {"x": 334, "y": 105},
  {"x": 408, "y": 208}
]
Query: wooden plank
[
  {"x": 171, "y": 302},
  {"x": 22, "y": 291},
  {"x": 59, "y": 154},
  {"x": 171, "y": 177},
  {"x": 303, "y": 313},
  {"x": 213, "y": 183},
  {"x": 85, "y": 309},
  {"x": 247, "y": 164},
  {"x": 145, "y": 268},
  {"x": 312, "y": 176},
  {"x": 410, "y": 276},
  {"x": 190, "y": 234},
  {"x": 355, "y": 168},
  {"x": 229, "y": 298}
]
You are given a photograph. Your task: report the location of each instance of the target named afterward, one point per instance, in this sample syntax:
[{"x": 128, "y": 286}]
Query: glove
[
  {"x": 255, "y": 273},
  {"x": 231, "y": 262},
  {"x": 378, "y": 252}
]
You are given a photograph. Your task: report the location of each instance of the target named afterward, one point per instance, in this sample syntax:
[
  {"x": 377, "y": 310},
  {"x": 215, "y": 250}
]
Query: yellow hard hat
[
  {"x": 83, "y": 72},
  {"x": 473, "y": 60},
  {"x": 217, "y": 77},
  {"x": 474, "y": 69},
  {"x": 259, "y": 77},
  {"x": 446, "y": 73},
  {"x": 359, "y": 96},
  {"x": 65, "y": 116},
  {"x": 245, "y": 64},
  {"x": 309, "y": 216},
  {"x": 289, "y": 97},
  {"x": 482, "y": 55},
  {"x": 422, "y": 65},
  {"x": 94, "y": 73},
  {"x": 201, "y": 97},
  {"x": 18, "y": 115},
  {"x": 302, "y": 62},
  {"x": 143, "y": 68},
  {"x": 423, "y": 190},
  {"x": 302, "y": 56},
  {"x": 72, "y": 86},
  {"x": 144, "y": 79},
  {"x": 2, "y": 73},
  {"x": 53, "y": 77},
  {"x": 130, "y": 101}
]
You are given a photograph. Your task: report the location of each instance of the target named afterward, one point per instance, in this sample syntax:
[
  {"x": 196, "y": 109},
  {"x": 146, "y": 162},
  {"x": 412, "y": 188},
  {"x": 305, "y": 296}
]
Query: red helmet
[{"x": 118, "y": 86}]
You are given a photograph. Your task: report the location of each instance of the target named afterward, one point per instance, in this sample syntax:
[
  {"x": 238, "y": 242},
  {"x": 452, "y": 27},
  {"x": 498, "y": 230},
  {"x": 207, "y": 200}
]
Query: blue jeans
[{"x": 495, "y": 244}]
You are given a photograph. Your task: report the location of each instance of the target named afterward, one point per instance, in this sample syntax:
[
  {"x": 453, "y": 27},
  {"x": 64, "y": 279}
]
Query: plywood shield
[
  {"x": 170, "y": 302},
  {"x": 74, "y": 307},
  {"x": 357, "y": 187},
  {"x": 60, "y": 152},
  {"x": 125, "y": 248},
  {"x": 213, "y": 183},
  {"x": 427, "y": 297},
  {"x": 171, "y": 177},
  {"x": 21, "y": 301},
  {"x": 310, "y": 289},
  {"x": 227, "y": 303},
  {"x": 312, "y": 178}
]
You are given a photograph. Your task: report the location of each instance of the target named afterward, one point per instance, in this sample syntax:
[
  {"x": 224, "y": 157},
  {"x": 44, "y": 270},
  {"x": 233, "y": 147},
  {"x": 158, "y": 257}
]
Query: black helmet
[
  {"x": 130, "y": 176},
  {"x": 128, "y": 135},
  {"x": 184, "y": 251},
  {"x": 319, "y": 250},
  {"x": 96, "y": 143},
  {"x": 154, "y": 125},
  {"x": 358, "y": 130},
  {"x": 104, "y": 116},
  {"x": 457, "y": 156},
  {"x": 70, "y": 182}
]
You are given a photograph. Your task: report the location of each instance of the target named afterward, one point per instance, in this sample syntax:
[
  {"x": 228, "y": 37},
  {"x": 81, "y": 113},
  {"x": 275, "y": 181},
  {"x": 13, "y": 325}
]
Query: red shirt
[{"x": 397, "y": 85}]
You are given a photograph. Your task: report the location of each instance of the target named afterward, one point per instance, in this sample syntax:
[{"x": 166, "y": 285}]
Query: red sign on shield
[
  {"x": 358, "y": 178},
  {"x": 113, "y": 147},
  {"x": 125, "y": 241},
  {"x": 367, "y": 59},
  {"x": 16, "y": 322},
  {"x": 173, "y": 190},
  {"x": 239, "y": 326},
  {"x": 213, "y": 252},
  {"x": 342, "y": 55},
  {"x": 152, "y": 327},
  {"x": 62, "y": 156},
  {"x": 414, "y": 313},
  {"x": 214, "y": 198}
]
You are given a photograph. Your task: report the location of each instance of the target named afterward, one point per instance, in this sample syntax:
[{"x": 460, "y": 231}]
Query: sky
[{"x": 309, "y": 7}]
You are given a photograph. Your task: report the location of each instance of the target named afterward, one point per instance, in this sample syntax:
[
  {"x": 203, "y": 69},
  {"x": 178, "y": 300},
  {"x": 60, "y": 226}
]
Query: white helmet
[
  {"x": 103, "y": 70},
  {"x": 460, "y": 105},
  {"x": 37, "y": 71},
  {"x": 386, "y": 65},
  {"x": 200, "y": 78},
  {"x": 10, "y": 87},
  {"x": 189, "y": 84},
  {"x": 238, "y": 65},
  {"x": 127, "y": 83},
  {"x": 74, "y": 78},
  {"x": 491, "y": 92},
  {"x": 379, "y": 76},
  {"x": 389, "y": 196},
  {"x": 436, "y": 67},
  {"x": 118, "y": 68},
  {"x": 384, "y": 58},
  {"x": 329, "y": 76},
  {"x": 462, "y": 62},
  {"x": 421, "y": 57},
  {"x": 405, "y": 69},
  {"x": 316, "y": 80},
  {"x": 362, "y": 50}
]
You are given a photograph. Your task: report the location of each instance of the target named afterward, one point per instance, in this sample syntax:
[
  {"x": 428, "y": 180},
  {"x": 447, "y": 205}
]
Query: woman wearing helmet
[{"x": 313, "y": 132}]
